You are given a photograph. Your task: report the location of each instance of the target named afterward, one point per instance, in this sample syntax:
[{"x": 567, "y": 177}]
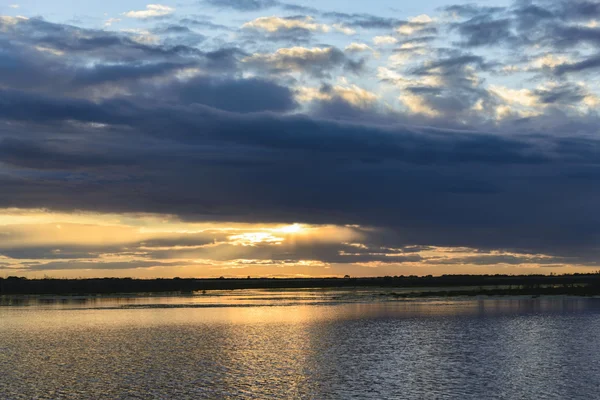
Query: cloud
[
  {"x": 588, "y": 64},
  {"x": 421, "y": 19},
  {"x": 358, "y": 47},
  {"x": 383, "y": 40},
  {"x": 151, "y": 11},
  {"x": 567, "y": 36},
  {"x": 215, "y": 164},
  {"x": 274, "y": 24},
  {"x": 317, "y": 61},
  {"x": 444, "y": 87},
  {"x": 203, "y": 23},
  {"x": 578, "y": 10},
  {"x": 524, "y": 97},
  {"x": 259, "y": 5},
  {"x": 44, "y": 155},
  {"x": 551, "y": 24},
  {"x": 289, "y": 28},
  {"x": 111, "y": 21},
  {"x": 79, "y": 42},
  {"x": 174, "y": 34},
  {"x": 95, "y": 265},
  {"x": 239, "y": 95},
  {"x": 437, "y": 150},
  {"x": 561, "y": 94},
  {"x": 530, "y": 16},
  {"x": 243, "y": 5},
  {"x": 354, "y": 95},
  {"x": 344, "y": 29},
  {"x": 548, "y": 61},
  {"x": 64, "y": 242},
  {"x": 471, "y": 10},
  {"x": 418, "y": 24},
  {"x": 485, "y": 31},
  {"x": 292, "y": 30},
  {"x": 363, "y": 20}
]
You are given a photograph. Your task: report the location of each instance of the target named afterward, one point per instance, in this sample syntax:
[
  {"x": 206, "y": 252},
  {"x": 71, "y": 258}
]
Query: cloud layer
[{"x": 474, "y": 129}]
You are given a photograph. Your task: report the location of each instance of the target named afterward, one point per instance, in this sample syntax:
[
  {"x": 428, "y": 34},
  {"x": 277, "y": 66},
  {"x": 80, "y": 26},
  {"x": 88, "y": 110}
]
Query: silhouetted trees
[{"x": 573, "y": 284}]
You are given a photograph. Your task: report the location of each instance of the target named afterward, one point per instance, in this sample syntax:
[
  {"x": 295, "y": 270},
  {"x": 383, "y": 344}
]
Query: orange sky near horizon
[{"x": 42, "y": 243}]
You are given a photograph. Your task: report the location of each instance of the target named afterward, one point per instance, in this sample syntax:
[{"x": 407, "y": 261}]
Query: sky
[{"x": 270, "y": 138}]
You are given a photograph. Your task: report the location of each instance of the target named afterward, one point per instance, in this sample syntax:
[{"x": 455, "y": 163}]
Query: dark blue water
[{"x": 247, "y": 346}]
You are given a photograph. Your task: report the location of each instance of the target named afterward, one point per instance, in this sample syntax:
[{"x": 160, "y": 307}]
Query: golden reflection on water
[{"x": 257, "y": 307}]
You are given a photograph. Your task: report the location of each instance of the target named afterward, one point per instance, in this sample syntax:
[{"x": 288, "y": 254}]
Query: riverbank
[{"x": 452, "y": 285}]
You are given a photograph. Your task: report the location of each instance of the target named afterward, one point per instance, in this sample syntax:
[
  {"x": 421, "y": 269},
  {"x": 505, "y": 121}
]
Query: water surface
[{"x": 307, "y": 344}]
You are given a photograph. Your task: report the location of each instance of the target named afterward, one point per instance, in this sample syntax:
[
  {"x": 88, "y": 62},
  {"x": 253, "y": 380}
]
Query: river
[{"x": 299, "y": 344}]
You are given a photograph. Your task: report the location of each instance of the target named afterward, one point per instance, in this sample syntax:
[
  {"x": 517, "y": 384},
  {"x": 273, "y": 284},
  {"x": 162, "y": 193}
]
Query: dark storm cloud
[
  {"x": 23, "y": 106},
  {"x": 240, "y": 95},
  {"x": 115, "y": 73},
  {"x": 196, "y": 124},
  {"x": 443, "y": 187},
  {"x": 36, "y": 155}
]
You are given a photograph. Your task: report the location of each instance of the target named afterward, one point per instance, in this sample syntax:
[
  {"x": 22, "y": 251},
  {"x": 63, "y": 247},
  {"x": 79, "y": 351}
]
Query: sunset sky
[{"x": 208, "y": 138}]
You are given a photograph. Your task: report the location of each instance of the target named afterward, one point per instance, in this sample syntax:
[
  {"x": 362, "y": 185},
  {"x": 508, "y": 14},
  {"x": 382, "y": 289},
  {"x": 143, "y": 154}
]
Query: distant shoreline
[{"x": 445, "y": 286}]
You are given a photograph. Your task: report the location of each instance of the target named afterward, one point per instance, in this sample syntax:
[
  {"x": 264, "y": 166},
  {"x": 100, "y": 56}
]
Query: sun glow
[
  {"x": 294, "y": 228},
  {"x": 254, "y": 239}
]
